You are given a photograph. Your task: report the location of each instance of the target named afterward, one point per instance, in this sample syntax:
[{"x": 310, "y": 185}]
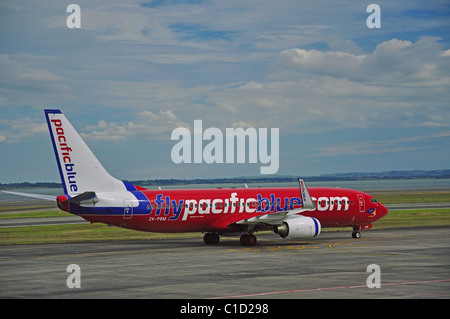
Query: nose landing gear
[{"x": 356, "y": 234}]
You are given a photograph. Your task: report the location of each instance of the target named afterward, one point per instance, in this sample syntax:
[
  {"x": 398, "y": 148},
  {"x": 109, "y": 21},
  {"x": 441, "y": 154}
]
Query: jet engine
[{"x": 299, "y": 227}]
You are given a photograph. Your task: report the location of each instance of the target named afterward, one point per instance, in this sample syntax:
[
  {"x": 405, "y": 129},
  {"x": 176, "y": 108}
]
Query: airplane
[{"x": 292, "y": 212}]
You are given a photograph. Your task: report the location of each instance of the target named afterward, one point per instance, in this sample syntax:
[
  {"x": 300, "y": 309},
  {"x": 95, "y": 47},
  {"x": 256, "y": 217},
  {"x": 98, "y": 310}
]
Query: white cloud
[
  {"x": 161, "y": 91},
  {"x": 383, "y": 146},
  {"x": 145, "y": 69},
  {"x": 147, "y": 125},
  {"x": 400, "y": 83},
  {"x": 13, "y": 131},
  {"x": 24, "y": 81},
  {"x": 394, "y": 61},
  {"x": 325, "y": 63}
]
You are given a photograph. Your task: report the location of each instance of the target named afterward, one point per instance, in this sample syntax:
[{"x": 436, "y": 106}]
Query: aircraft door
[
  {"x": 127, "y": 209},
  {"x": 362, "y": 204}
]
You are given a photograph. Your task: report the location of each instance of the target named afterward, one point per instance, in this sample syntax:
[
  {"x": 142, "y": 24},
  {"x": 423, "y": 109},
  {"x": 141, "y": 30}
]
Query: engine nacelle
[{"x": 299, "y": 227}]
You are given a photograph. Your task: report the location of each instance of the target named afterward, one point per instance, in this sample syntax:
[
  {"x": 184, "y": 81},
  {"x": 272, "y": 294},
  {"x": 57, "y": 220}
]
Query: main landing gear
[
  {"x": 248, "y": 240},
  {"x": 211, "y": 238},
  {"x": 214, "y": 238}
]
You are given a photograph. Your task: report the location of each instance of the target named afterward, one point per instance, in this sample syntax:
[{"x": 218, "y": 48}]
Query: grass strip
[
  {"x": 45, "y": 214},
  {"x": 412, "y": 197},
  {"x": 79, "y": 233},
  {"x": 415, "y": 218}
]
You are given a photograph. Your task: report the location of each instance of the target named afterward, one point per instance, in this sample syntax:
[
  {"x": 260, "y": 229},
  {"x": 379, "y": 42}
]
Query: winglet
[{"x": 307, "y": 202}]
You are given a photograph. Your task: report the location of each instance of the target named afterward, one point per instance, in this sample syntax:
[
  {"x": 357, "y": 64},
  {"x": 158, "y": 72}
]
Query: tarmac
[{"x": 409, "y": 263}]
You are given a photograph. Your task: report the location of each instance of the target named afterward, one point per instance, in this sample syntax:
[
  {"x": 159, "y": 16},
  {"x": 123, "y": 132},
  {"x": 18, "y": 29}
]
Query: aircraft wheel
[
  {"x": 356, "y": 234},
  {"x": 211, "y": 238},
  {"x": 248, "y": 240}
]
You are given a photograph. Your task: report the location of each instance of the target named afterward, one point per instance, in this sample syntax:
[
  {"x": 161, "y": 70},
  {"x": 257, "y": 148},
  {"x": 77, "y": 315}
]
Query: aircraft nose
[{"x": 383, "y": 209}]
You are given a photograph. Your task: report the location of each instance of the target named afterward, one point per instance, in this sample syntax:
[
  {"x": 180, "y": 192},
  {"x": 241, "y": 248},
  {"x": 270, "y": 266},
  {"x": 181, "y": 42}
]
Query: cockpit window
[{"x": 373, "y": 200}]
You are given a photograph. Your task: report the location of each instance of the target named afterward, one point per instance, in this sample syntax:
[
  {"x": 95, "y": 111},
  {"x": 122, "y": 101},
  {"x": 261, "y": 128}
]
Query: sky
[{"x": 345, "y": 97}]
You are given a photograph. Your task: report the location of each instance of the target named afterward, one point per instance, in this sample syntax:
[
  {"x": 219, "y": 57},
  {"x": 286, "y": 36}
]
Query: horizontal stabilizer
[
  {"x": 39, "y": 196},
  {"x": 86, "y": 196}
]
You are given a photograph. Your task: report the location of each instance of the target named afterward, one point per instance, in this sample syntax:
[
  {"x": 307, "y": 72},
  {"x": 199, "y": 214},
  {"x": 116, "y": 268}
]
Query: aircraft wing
[
  {"x": 39, "y": 196},
  {"x": 276, "y": 218}
]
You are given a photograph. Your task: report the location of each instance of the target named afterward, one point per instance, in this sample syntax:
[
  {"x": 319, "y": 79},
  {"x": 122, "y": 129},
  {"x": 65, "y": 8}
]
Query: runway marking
[
  {"x": 328, "y": 288},
  {"x": 346, "y": 243},
  {"x": 268, "y": 248},
  {"x": 304, "y": 245}
]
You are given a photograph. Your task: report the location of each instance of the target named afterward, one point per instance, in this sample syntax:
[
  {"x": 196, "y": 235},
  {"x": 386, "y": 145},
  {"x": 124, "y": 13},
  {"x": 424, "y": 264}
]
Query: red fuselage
[{"x": 220, "y": 210}]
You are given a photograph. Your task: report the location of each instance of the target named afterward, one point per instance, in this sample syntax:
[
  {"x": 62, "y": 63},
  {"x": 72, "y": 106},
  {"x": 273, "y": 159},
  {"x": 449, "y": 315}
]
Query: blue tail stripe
[
  {"x": 55, "y": 150},
  {"x": 130, "y": 187}
]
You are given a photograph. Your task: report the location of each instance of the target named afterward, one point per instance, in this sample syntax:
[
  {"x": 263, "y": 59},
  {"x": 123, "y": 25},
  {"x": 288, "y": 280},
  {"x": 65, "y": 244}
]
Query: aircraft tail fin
[{"x": 79, "y": 169}]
